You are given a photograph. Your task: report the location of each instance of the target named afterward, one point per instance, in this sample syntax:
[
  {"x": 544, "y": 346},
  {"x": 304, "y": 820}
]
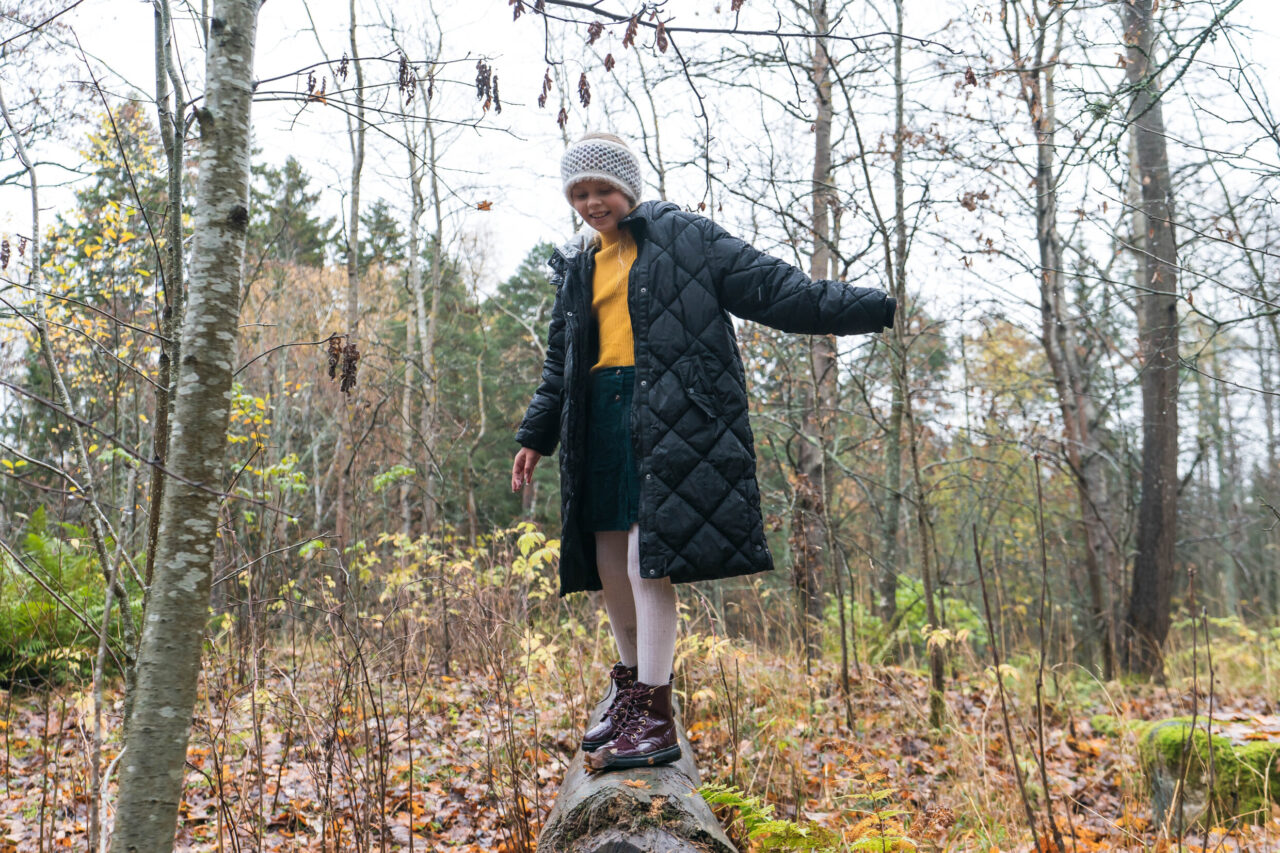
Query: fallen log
[{"x": 641, "y": 810}]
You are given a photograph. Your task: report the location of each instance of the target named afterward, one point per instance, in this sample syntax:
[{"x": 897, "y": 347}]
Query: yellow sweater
[{"x": 609, "y": 301}]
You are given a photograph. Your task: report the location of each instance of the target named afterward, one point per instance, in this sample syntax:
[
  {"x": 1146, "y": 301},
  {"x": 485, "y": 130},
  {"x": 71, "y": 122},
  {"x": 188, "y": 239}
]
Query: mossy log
[
  {"x": 1229, "y": 775},
  {"x": 643, "y": 810}
]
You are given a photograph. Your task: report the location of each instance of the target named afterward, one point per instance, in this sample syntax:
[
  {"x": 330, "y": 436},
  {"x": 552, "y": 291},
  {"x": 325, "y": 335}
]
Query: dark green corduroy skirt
[{"x": 613, "y": 486}]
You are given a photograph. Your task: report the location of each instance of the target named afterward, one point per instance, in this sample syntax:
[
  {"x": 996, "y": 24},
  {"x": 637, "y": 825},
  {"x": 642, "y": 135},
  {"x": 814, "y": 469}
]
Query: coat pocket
[{"x": 697, "y": 387}]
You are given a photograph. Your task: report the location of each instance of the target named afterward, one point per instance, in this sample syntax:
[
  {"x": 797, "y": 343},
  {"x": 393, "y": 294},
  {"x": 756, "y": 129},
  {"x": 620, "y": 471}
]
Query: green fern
[
  {"x": 759, "y": 824},
  {"x": 41, "y": 641}
]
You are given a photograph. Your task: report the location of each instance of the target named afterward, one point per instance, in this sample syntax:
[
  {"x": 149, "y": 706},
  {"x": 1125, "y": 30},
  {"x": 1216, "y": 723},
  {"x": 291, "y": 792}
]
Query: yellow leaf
[
  {"x": 93, "y": 448},
  {"x": 110, "y": 232}
]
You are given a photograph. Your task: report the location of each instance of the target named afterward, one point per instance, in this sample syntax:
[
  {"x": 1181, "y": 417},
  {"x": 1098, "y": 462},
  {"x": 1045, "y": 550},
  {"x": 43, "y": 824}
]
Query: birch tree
[{"x": 169, "y": 655}]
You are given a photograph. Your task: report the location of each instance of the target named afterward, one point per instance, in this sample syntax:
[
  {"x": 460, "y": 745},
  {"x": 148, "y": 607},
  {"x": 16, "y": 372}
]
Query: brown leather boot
[
  {"x": 623, "y": 677},
  {"x": 647, "y": 732}
]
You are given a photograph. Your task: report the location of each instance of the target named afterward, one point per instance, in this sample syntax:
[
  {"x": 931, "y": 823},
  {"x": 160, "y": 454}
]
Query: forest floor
[{"x": 463, "y": 762}]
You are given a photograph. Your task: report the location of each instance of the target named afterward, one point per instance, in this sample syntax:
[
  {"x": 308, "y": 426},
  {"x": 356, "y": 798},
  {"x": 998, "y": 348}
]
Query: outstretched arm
[{"x": 763, "y": 288}]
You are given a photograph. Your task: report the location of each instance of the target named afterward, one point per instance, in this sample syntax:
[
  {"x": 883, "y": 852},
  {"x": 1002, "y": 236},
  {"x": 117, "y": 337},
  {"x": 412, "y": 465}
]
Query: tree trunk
[
  {"x": 355, "y": 137},
  {"x": 896, "y": 262},
  {"x": 812, "y": 554},
  {"x": 428, "y": 329},
  {"x": 1082, "y": 444},
  {"x": 169, "y": 658},
  {"x": 172, "y": 135},
  {"x": 601, "y": 813},
  {"x": 1150, "y": 599},
  {"x": 902, "y": 392},
  {"x": 406, "y": 415}
]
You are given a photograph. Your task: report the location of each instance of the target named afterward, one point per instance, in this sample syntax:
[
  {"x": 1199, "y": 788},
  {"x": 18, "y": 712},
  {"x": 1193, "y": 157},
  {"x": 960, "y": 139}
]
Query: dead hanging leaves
[
  {"x": 487, "y": 87},
  {"x": 969, "y": 201},
  {"x": 546, "y": 89},
  {"x": 344, "y": 361},
  {"x": 595, "y": 31},
  {"x": 406, "y": 79},
  {"x": 314, "y": 93},
  {"x": 518, "y": 8}
]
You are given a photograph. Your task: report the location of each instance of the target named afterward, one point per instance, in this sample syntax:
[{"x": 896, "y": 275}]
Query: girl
[{"x": 644, "y": 390}]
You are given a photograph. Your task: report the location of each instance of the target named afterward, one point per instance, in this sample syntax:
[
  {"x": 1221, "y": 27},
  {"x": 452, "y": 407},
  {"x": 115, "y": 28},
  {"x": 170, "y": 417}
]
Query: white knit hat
[{"x": 593, "y": 158}]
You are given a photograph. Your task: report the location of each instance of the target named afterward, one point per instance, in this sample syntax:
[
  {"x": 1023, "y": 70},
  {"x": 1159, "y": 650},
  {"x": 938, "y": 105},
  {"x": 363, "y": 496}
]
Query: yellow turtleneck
[{"x": 609, "y": 300}]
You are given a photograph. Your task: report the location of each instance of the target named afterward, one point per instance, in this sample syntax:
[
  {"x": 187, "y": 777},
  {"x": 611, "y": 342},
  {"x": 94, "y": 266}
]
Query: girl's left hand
[{"x": 522, "y": 469}]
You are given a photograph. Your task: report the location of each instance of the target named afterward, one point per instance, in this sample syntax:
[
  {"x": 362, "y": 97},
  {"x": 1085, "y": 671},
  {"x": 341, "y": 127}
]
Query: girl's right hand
[{"x": 522, "y": 468}]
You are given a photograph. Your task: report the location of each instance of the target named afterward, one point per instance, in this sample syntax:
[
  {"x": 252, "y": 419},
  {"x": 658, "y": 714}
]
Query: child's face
[{"x": 601, "y": 205}]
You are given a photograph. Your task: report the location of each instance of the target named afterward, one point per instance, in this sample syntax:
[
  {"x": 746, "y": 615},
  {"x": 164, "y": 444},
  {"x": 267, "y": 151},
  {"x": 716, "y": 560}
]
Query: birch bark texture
[
  {"x": 1150, "y": 600},
  {"x": 169, "y": 656}
]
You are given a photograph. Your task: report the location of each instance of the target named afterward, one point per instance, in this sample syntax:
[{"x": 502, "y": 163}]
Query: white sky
[{"x": 512, "y": 162}]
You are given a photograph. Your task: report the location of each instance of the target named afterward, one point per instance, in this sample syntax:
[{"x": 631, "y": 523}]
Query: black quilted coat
[{"x": 699, "y": 511}]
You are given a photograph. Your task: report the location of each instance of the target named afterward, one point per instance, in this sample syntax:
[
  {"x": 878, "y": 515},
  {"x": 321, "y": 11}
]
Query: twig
[
  {"x": 1044, "y": 595},
  {"x": 106, "y": 786},
  {"x": 266, "y": 353},
  {"x": 1004, "y": 707},
  {"x": 616, "y": 17}
]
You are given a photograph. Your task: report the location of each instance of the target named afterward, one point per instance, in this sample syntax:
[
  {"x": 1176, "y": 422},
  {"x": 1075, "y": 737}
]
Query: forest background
[{"x": 1032, "y": 467}]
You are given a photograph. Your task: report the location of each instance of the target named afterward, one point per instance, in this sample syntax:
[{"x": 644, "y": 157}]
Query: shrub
[{"x": 42, "y": 639}]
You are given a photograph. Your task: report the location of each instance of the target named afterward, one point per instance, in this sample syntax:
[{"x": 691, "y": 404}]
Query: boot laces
[
  {"x": 631, "y": 725},
  {"x": 618, "y": 708}
]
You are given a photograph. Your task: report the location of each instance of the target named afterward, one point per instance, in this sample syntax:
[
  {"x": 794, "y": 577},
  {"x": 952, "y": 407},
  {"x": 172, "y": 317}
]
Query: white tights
[{"x": 642, "y": 611}]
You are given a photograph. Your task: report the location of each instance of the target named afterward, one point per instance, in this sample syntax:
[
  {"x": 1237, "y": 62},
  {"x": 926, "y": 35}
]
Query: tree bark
[
  {"x": 1059, "y": 336},
  {"x": 169, "y": 657},
  {"x": 1150, "y": 599},
  {"x": 172, "y": 135},
  {"x": 355, "y": 137},
  {"x": 896, "y": 264},
  {"x": 812, "y": 552},
  {"x": 428, "y": 330}
]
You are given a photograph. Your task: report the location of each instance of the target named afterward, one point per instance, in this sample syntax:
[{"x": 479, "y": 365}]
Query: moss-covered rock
[{"x": 1225, "y": 779}]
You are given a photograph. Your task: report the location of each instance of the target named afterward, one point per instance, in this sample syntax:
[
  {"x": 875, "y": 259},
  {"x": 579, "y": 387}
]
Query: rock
[{"x": 1230, "y": 774}]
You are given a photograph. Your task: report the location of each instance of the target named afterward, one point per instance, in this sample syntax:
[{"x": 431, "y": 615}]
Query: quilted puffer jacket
[{"x": 699, "y": 512}]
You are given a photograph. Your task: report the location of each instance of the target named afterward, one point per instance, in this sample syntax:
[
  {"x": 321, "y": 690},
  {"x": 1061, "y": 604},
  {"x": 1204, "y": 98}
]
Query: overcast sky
[{"x": 509, "y": 160}]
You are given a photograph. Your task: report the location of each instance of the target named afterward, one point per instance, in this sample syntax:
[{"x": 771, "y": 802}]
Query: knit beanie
[{"x": 601, "y": 157}]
